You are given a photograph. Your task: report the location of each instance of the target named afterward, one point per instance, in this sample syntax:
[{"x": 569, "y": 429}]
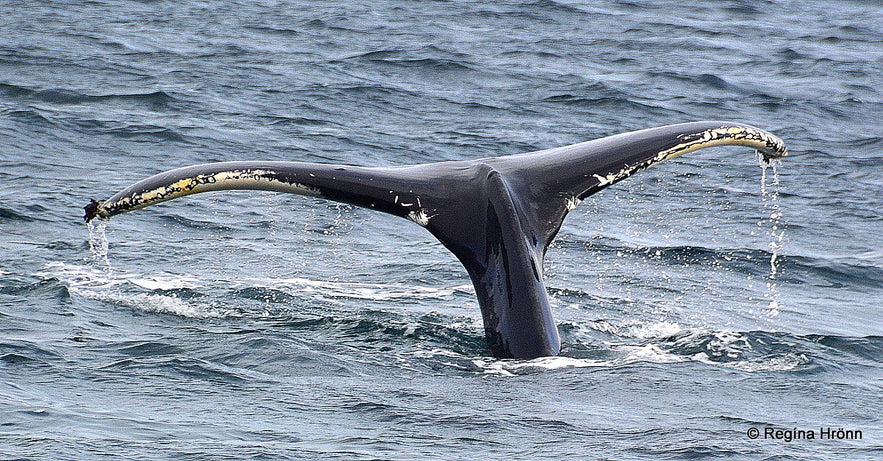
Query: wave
[
  {"x": 184, "y": 366},
  {"x": 371, "y": 91},
  {"x": 147, "y": 348},
  {"x": 868, "y": 348},
  {"x": 298, "y": 121},
  {"x": 354, "y": 290},
  {"x": 27, "y": 354},
  {"x": 600, "y": 101},
  {"x": 833, "y": 274},
  {"x": 870, "y": 141},
  {"x": 400, "y": 59},
  {"x": 155, "y": 100},
  {"x": 30, "y": 117},
  {"x": 148, "y": 133},
  {"x": 664, "y": 343},
  {"x": 278, "y": 31},
  {"x": 855, "y": 272},
  {"x": 50, "y": 287},
  {"x": 8, "y": 214},
  {"x": 434, "y": 341},
  {"x": 331, "y": 313},
  {"x": 200, "y": 224},
  {"x": 187, "y": 296},
  {"x": 626, "y": 345},
  {"x": 705, "y": 80},
  {"x": 634, "y": 344},
  {"x": 425, "y": 59}
]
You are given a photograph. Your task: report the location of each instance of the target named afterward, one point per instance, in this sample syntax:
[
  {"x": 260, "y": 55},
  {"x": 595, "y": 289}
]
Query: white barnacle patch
[
  {"x": 707, "y": 135},
  {"x": 727, "y": 135},
  {"x": 420, "y": 217},
  {"x": 603, "y": 180},
  {"x": 611, "y": 178},
  {"x": 572, "y": 203},
  {"x": 256, "y": 179}
]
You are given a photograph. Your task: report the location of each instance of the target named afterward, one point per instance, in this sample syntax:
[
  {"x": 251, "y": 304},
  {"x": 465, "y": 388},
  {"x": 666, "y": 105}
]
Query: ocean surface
[{"x": 697, "y": 301}]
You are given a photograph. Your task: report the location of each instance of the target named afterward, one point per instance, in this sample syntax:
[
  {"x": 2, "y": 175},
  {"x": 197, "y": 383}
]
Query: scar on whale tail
[{"x": 496, "y": 215}]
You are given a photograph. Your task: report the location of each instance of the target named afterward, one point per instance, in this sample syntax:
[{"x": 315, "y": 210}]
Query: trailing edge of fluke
[{"x": 496, "y": 215}]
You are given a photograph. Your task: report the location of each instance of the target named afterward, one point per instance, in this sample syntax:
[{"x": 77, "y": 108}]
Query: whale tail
[{"x": 496, "y": 215}]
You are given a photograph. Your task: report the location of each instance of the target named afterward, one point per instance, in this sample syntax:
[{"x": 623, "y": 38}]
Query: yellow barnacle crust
[
  {"x": 233, "y": 179},
  {"x": 727, "y": 135}
]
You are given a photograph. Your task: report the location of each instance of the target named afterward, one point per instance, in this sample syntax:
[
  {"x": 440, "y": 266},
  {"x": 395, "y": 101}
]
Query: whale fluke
[{"x": 496, "y": 215}]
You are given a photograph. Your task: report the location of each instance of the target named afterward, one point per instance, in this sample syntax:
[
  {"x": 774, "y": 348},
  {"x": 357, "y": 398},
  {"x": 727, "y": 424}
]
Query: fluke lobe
[{"x": 497, "y": 215}]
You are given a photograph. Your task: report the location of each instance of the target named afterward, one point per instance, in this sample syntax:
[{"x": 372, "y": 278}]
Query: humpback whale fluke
[{"x": 496, "y": 215}]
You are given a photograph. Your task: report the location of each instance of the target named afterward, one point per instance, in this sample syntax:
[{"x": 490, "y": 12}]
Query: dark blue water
[{"x": 696, "y": 300}]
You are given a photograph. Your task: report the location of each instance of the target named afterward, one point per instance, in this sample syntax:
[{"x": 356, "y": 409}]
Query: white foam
[
  {"x": 355, "y": 290},
  {"x": 654, "y": 330},
  {"x": 81, "y": 277},
  {"x": 157, "y": 303},
  {"x": 557, "y": 363},
  {"x": 168, "y": 282},
  {"x": 647, "y": 353},
  {"x": 725, "y": 343},
  {"x": 102, "y": 284},
  {"x": 785, "y": 362},
  {"x": 634, "y": 354}
]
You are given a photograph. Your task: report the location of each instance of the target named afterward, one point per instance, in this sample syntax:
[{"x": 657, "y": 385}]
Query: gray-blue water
[{"x": 696, "y": 300}]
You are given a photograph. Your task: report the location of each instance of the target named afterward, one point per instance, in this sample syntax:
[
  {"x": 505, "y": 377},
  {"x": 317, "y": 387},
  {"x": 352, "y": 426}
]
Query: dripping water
[
  {"x": 769, "y": 192},
  {"x": 98, "y": 244}
]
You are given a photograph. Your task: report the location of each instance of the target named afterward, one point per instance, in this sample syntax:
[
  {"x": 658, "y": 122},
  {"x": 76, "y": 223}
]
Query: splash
[
  {"x": 769, "y": 192},
  {"x": 95, "y": 280}
]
